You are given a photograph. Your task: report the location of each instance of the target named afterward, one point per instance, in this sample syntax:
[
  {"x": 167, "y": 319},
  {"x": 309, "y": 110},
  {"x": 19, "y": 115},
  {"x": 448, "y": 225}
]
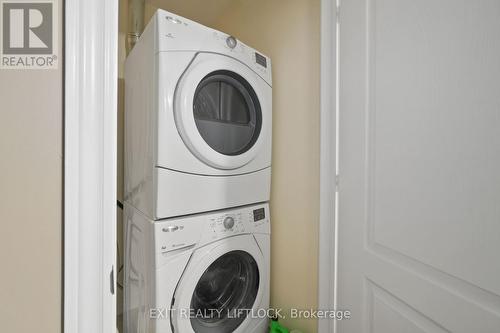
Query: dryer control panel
[{"x": 177, "y": 33}]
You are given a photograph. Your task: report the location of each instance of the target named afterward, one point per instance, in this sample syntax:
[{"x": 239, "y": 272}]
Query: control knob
[
  {"x": 229, "y": 222},
  {"x": 231, "y": 42}
]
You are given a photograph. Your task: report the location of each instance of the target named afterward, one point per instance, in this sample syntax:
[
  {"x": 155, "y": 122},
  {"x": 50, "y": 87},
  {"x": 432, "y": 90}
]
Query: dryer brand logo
[{"x": 29, "y": 35}]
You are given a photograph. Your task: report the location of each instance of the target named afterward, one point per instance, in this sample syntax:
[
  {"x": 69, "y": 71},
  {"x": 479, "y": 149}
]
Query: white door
[{"x": 419, "y": 188}]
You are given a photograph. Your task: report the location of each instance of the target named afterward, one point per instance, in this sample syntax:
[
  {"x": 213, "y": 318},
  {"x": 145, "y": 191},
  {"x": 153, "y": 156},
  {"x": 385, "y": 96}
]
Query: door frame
[
  {"x": 90, "y": 121},
  {"x": 328, "y": 162}
]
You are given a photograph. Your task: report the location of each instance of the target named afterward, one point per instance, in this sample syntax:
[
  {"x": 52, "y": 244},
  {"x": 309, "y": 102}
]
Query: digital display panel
[
  {"x": 261, "y": 60},
  {"x": 259, "y": 214}
]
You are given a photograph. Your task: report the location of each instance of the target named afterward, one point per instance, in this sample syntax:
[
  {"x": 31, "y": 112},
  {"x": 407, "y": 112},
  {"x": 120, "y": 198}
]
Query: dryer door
[
  {"x": 220, "y": 111},
  {"x": 222, "y": 282}
]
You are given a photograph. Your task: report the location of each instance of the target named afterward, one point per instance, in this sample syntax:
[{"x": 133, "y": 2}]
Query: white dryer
[
  {"x": 198, "y": 119},
  {"x": 207, "y": 273}
]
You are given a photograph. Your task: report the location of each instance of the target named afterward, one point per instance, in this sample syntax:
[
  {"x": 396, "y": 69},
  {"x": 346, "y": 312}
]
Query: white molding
[
  {"x": 326, "y": 282},
  {"x": 91, "y": 29}
]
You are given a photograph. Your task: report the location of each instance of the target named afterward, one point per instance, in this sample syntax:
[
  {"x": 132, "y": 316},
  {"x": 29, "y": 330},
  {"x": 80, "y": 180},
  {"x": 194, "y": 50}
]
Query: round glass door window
[
  {"x": 231, "y": 283},
  {"x": 227, "y": 112}
]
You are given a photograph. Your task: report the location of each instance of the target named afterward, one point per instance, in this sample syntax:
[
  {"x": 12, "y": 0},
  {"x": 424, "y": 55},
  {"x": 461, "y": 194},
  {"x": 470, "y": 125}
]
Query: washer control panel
[
  {"x": 252, "y": 219},
  {"x": 227, "y": 223},
  {"x": 197, "y": 230}
]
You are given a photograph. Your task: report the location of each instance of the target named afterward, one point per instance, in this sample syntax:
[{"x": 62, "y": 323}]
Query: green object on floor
[{"x": 276, "y": 327}]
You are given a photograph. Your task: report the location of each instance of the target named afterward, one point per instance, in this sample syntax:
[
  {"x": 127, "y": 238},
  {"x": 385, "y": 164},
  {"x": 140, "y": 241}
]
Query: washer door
[
  {"x": 219, "y": 286},
  {"x": 218, "y": 111}
]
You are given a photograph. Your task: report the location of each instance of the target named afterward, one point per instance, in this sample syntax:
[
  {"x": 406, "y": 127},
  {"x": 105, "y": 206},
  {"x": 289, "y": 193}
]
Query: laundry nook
[
  {"x": 197, "y": 180},
  {"x": 200, "y": 128}
]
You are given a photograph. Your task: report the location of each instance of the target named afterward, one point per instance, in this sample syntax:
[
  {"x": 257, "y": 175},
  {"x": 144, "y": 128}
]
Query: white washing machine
[
  {"x": 198, "y": 119},
  {"x": 206, "y": 273}
]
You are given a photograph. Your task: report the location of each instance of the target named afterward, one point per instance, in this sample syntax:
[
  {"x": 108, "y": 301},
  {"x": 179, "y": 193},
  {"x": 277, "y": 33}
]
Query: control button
[
  {"x": 171, "y": 228},
  {"x": 229, "y": 222},
  {"x": 231, "y": 42}
]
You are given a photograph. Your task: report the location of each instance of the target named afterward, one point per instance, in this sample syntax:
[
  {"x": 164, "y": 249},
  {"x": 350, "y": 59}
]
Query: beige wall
[
  {"x": 289, "y": 32},
  {"x": 31, "y": 199}
]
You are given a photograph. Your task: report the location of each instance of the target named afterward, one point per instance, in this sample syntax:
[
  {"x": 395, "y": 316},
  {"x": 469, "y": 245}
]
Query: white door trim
[
  {"x": 326, "y": 274},
  {"x": 91, "y": 33}
]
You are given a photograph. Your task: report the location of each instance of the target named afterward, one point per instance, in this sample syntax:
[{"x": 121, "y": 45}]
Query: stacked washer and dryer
[{"x": 198, "y": 114}]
